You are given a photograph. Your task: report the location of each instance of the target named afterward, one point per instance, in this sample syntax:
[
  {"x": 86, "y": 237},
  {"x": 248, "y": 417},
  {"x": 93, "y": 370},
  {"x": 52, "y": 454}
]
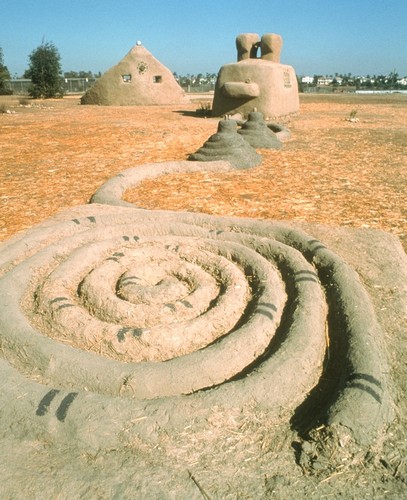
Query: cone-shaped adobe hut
[{"x": 138, "y": 79}]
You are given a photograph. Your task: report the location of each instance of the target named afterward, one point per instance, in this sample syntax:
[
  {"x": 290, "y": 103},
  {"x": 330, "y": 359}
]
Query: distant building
[{"x": 324, "y": 80}]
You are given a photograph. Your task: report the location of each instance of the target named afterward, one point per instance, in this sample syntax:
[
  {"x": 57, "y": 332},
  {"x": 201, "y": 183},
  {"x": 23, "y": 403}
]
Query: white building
[
  {"x": 307, "y": 79},
  {"x": 324, "y": 80}
]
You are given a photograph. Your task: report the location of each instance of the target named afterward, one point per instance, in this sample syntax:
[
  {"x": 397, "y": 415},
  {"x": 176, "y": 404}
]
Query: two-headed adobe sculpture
[{"x": 253, "y": 83}]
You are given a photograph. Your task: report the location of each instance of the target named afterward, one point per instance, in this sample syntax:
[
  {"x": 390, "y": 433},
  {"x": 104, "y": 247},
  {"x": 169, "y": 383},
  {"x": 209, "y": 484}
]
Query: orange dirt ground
[{"x": 56, "y": 153}]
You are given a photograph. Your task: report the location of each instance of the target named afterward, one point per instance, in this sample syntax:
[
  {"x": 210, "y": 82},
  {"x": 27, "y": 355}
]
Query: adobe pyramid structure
[{"x": 138, "y": 79}]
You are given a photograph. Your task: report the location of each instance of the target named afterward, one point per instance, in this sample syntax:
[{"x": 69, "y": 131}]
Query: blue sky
[{"x": 198, "y": 36}]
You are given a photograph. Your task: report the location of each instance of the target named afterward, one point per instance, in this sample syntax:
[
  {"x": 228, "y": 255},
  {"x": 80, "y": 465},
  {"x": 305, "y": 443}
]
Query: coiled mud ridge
[{"x": 116, "y": 317}]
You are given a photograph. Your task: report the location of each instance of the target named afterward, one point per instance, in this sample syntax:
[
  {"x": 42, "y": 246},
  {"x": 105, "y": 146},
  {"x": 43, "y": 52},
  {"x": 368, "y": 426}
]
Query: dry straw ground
[{"x": 54, "y": 154}]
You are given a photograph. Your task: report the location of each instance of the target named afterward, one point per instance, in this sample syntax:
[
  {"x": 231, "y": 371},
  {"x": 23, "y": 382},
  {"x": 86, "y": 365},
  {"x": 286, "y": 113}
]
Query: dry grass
[{"x": 54, "y": 155}]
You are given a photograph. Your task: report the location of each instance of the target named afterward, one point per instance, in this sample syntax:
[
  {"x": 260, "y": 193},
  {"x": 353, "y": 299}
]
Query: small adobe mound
[
  {"x": 228, "y": 145},
  {"x": 256, "y": 132},
  {"x": 138, "y": 79}
]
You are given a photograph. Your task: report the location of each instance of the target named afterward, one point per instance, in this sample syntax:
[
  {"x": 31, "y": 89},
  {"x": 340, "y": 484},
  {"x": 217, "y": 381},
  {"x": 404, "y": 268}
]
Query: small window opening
[
  {"x": 157, "y": 79},
  {"x": 254, "y": 50},
  {"x": 126, "y": 78}
]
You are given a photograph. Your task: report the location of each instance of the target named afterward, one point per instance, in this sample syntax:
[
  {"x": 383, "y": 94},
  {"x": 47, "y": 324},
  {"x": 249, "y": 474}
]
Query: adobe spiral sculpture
[{"x": 122, "y": 318}]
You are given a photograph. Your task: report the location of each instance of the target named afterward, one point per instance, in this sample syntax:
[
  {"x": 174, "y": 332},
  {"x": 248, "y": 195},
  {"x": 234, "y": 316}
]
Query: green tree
[
  {"x": 85, "y": 74},
  {"x": 4, "y": 74},
  {"x": 45, "y": 71},
  {"x": 316, "y": 78},
  {"x": 71, "y": 74},
  {"x": 392, "y": 79},
  {"x": 78, "y": 74},
  {"x": 381, "y": 81}
]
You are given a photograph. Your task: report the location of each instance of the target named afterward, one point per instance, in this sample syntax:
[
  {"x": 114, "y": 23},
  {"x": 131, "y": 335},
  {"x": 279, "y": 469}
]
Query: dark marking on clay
[
  {"x": 127, "y": 283},
  {"x": 366, "y": 388},
  {"x": 136, "y": 238},
  {"x": 135, "y": 332},
  {"x": 115, "y": 259},
  {"x": 126, "y": 238},
  {"x": 318, "y": 245},
  {"x": 118, "y": 254},
  {"x": 171, "y": 306},
  {"x": 92, "y": 219},
  {"x": 306, "y": 276},
  {"x": 313, "y": 280},
  {"x": 269, "y": 305},
  {"x": 63, "y": 408},
  {"x": 45, "y": 402},
  {"x": 366, "y": 377},
  {"x": 76, "y": 221},
  {"x": 121, "y": 333},
  {"x": 120, "y": 175},
  {"x": 129, "y": 280},
  {"x": 187, "y": 304},
  {"x": 313, "y": 242},
  {"x": 266, "y": 312},
  {"x": 58, "y": 299},
  {"x": 62, "y": 306}
]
